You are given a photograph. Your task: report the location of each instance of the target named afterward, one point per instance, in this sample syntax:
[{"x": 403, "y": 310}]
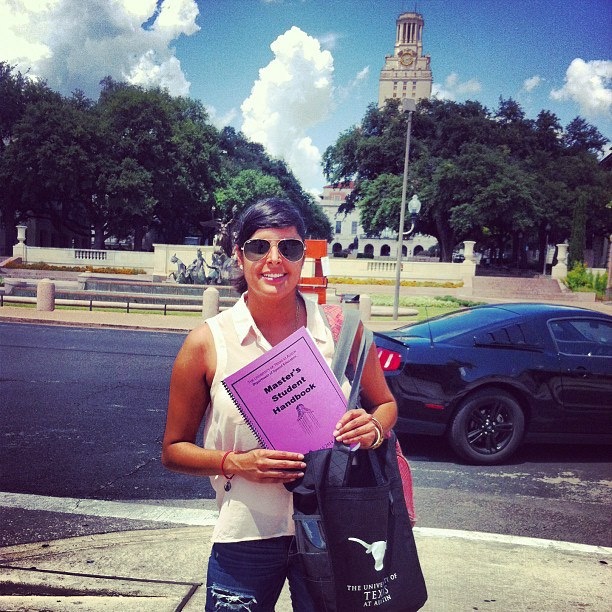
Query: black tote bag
[{"x": 353, "y": 532}]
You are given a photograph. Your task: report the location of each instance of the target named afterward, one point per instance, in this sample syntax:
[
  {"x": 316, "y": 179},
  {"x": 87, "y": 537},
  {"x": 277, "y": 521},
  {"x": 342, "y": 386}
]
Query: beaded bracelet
[{"x": 228, "y": 484}]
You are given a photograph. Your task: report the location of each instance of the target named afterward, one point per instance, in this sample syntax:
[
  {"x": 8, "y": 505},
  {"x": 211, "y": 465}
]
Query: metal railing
[{"x": 126, "y": 305}]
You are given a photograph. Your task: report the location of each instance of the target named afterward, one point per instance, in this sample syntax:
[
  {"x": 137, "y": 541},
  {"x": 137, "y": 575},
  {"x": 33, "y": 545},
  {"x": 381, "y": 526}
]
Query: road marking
[
  {"x": 206, "y": 515},
  {"x": 482, "y": 536}
]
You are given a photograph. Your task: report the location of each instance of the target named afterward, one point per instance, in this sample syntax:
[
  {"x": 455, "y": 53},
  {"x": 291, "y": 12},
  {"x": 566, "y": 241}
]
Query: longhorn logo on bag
[{"x": 376, "y": 549}]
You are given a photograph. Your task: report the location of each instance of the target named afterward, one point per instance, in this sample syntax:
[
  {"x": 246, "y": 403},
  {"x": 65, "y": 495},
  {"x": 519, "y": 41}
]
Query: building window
[
  {"x": 338, "y": 227},
  {"x": 354, "y": 227}
]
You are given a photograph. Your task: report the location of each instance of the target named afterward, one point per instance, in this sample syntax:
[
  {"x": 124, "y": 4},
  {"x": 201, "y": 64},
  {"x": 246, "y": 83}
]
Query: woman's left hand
[{"x": 356, "y": 426}]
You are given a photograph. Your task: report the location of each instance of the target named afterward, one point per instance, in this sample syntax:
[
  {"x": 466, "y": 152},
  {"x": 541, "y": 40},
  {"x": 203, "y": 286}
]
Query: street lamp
[
  {"x": 408, "y": 106},
  {"x": 546, "y": 229},
  {"x": 414, "y": 208}
]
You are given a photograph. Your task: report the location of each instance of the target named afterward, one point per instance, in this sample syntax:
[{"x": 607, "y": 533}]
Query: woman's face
[{"x": 273, "y": 275}]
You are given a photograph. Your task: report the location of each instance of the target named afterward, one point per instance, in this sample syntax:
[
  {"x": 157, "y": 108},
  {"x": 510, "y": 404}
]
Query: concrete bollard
[
  {"x": 210, "y": 302},
  {"x": 45, "y": 295},
  {"x": 365, "y": 307}
]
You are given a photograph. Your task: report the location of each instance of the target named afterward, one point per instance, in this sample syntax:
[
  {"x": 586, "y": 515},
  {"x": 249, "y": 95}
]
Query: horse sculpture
[
  {"x": 222, "y": 269},
  {"x": 181, "y": 275},
  {"x": 196, "y": 270}
]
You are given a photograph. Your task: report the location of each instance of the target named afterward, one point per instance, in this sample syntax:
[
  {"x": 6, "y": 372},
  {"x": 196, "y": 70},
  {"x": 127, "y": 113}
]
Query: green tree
[
  {"x": 580, "y": 136},
  {"x": 49, "y": 166},
  {"x": 500, "y": 179},
  {"x": 577, "y": 241},
  {"x": 242, "y": 154},
  {"x": 163, "y": 162},
  {"x": 244, "y": 189},
  {"x": 17, "y": 92},
  {"x": 379, "y": 203}
]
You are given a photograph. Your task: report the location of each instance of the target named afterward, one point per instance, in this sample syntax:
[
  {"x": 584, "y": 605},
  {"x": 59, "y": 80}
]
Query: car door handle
[{"x": 581, "y": 371}]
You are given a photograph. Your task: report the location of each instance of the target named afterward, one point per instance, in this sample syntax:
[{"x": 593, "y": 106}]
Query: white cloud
[
  {"x": 221, "y": 121},
  {"x": 177, "y": 17},
  {"x": 292, "y": 94},
  {"x": 362, "y": 74},
  {"x": 75, "y": 44},
  {"x": 329, "y": 40},
  {"x": 588, "y": 85},
  {"x": 532, "y": 83},
  {"x": 453, "y": 88},
  {"x": 150, "y": 71}
]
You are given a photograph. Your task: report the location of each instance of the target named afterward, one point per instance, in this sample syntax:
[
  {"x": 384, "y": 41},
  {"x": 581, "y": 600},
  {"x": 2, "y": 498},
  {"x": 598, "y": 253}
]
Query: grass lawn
[{"x": 426, "y": 307}]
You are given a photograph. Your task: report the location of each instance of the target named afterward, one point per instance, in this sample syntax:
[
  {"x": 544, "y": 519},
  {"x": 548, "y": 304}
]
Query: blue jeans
[{"x": 249, "y": 576}]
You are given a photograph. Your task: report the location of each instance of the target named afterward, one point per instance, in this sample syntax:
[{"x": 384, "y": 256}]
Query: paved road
[
  {"x": 558, "y": 492},
  {"x": 84, "y": 408},
  {"x": 82, "y": 413}
]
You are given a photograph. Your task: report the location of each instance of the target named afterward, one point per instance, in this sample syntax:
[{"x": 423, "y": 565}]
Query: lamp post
[
  {"x": 546, "y": 229},
  {"x": 409, "y": 106}
]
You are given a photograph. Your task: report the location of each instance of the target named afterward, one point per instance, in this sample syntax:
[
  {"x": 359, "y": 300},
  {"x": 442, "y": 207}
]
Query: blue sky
[{"x": 322, "y": 70}]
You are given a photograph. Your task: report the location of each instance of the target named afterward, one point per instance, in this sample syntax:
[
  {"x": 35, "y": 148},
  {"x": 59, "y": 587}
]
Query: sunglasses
[{"x": 291, "y": 249}]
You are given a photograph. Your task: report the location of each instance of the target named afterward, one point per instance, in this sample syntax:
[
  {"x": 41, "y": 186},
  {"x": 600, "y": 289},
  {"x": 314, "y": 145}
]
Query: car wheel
[{"x": 488, "y": 427}]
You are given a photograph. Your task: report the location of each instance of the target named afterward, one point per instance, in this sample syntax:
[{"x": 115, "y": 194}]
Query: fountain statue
[{"x": 221, "y": 270}]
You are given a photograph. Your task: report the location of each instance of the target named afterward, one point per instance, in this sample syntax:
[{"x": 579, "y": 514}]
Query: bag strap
[
  {"x": 349, "y": 321},
  {"x": 341, "y": 462},
  {"x": 364, "y": 349},
  {"x": 344, "y": 341},
  {"x": 344, "y": 325}
]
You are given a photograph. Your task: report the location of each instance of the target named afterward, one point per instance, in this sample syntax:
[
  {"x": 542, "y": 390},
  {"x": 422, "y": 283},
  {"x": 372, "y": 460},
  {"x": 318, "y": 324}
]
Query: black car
[{"x": 491, "y": 377}]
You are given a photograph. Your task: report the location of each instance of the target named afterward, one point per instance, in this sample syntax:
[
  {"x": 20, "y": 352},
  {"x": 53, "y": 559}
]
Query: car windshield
[{"x": 453, "y": 324}]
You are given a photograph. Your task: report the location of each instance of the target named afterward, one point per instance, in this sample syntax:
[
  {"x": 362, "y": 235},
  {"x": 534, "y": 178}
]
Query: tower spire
[{"x": 406, "y": 73}]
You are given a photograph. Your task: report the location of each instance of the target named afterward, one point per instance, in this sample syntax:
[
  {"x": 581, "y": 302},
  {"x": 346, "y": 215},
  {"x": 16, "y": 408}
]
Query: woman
[{"x": 252, "y": 540}]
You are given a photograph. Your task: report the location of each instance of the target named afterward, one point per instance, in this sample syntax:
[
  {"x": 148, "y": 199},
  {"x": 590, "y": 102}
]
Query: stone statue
[
  {"x": 196, "y": 270},
  {"x": 221, "y": 270},
  {"x": 226, "y": 267},
  {"x": 181, "y": 275}
]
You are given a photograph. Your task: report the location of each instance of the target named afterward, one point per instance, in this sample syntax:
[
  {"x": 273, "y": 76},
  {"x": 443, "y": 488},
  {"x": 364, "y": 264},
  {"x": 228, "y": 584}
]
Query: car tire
[{"x": 488, "y": 427}]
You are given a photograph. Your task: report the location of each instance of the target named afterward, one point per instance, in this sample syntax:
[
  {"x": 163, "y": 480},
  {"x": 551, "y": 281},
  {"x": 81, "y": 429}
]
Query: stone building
[
  {"x": 406, "y": 73},
  {"x": 349, "y": 238}
]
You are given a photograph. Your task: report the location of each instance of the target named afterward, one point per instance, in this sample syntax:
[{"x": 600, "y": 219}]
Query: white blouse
[{"x": 249, "y": 510}]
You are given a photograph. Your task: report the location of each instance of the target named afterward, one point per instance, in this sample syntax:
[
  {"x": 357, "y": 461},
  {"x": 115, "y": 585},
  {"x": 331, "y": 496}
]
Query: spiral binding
[{"x": 259, "y": 437}]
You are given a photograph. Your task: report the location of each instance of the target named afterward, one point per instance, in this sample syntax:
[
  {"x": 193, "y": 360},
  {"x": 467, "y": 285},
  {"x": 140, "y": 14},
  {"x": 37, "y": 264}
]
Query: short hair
[{"x": 269, "y": 212}]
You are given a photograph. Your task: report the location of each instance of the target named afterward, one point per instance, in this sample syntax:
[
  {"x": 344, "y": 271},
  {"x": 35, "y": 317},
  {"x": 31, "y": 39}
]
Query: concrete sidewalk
[{"x": 164, "y": 569}]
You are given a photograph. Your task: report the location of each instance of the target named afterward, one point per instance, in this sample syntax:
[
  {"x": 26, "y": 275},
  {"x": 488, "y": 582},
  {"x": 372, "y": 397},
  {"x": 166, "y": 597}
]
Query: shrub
[
  {"x": 424, "y": 301},
  {"x": 579, "y": 278},
  {"x": 601, "y": 284},
  {"x": 45, "y": 266},
  {"x": 347, "y": 280}
]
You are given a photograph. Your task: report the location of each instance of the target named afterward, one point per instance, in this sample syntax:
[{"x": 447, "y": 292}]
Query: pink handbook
[{"x": 289, "y": 396}]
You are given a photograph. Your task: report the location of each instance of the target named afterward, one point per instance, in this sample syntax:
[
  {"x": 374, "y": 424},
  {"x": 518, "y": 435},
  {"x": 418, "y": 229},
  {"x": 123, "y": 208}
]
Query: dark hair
[{"x": 269, "y": 212}]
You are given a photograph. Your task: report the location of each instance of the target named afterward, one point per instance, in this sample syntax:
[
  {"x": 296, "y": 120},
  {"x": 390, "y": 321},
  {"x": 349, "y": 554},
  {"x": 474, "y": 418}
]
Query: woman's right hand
[{"x": 265, "y": 466}]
